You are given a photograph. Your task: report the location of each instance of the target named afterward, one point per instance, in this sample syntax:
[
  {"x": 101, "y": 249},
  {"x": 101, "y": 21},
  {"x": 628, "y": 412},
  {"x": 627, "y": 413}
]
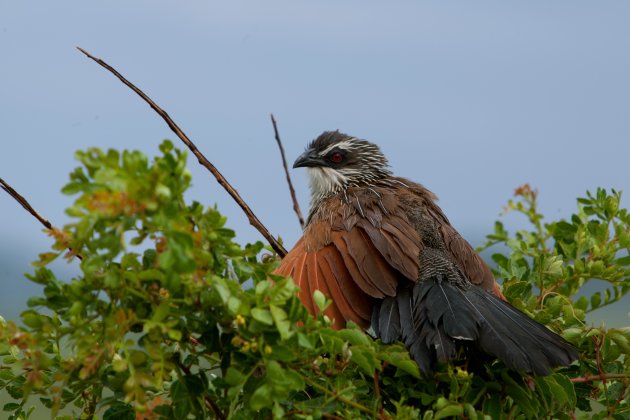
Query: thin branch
[
  {"x": 598, "y": 358},
  {"x": 214, "y": 407},
  {"x": 210, "y": 403},
  {"x": 377, "y": 395},
  {"x": 253, "y": 220},
  {"x": 331, "y": 416},
  {"x": 27, "y": 206},
  {"x": 335, "y": 395},
  {"x": 24, "y": 203},
  {"x": 599, "y": 341},
  {"x": 296, "y": 206},
  {"x": 601, "y": 377}
]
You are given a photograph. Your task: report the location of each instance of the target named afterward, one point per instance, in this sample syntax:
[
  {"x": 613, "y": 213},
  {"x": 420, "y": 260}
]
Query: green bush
[{"x": 165, "y": 322}]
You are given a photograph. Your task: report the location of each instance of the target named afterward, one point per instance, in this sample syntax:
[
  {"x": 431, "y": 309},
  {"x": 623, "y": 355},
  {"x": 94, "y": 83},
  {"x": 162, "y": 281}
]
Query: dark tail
[{"x": 435, "y": 318}]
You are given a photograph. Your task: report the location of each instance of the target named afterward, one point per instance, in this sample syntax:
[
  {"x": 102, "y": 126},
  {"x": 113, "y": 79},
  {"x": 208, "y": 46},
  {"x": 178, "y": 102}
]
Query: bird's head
[{"x": 336, "y": 161}]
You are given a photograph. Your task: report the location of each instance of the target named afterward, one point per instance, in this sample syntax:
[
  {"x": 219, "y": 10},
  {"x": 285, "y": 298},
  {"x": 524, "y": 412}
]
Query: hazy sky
[{"x": 470, "y": 98}]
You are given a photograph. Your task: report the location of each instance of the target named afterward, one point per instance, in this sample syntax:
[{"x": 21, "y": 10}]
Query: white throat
[{"x": 325, "y": 181}]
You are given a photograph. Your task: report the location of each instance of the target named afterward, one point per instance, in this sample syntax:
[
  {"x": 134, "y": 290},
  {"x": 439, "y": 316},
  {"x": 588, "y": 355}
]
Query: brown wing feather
[
  {"x": 294, "y": 265},
  {"x": 354, "y": 251},
  {"x": 357, "y": 276},
  {"x": 320, "y": 283},
  {"x": 395, "y": 246},
  {"x": 468, "y": 260},
  {"x": 326, "y": 271},
  {"x": 371, "y": 264},
  {"x": 340, "y": 310},
  {"x": 360, "y": 303},
  {"x": 305, "y": 285}
]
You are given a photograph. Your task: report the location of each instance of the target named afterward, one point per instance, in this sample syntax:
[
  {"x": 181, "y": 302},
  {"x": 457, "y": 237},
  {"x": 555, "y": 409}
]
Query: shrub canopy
[{"x": 171, "y": 318}]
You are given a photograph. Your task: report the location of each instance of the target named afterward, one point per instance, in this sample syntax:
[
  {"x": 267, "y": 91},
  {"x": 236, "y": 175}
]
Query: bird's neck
[{"x": 327, "y": 182}]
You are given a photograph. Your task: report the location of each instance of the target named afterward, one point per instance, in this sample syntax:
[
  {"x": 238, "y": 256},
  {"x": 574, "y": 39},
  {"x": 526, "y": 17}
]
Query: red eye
[{"x": 336, "y": 157}]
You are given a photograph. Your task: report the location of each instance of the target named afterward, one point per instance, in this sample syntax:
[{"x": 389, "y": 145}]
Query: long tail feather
[{"x": 435, "y": 318}]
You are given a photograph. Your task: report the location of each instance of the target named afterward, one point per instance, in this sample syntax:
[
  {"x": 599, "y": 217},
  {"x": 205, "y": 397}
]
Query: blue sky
[{"x": 471, "y": 99}]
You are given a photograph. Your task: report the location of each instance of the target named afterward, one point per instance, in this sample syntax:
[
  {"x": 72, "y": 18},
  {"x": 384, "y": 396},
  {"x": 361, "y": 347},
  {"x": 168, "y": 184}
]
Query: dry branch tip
[
  {"x": 253, "y": 220},
  {"x": 296, "y": 206}
]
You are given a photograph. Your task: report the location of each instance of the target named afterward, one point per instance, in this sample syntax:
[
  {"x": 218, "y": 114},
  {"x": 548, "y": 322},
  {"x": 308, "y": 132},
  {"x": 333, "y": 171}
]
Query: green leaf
[
  {"x": 261, "y": 397},
  {"x": 619, "y": 339},
  {"x": 284, "y": 353},
  {"x": 10, "y": 407},
  {"x": 194, "y": 384},
  {"x": 623, "y": 261},
  {"x": 166, "y": 146},
  {"x": 282, "y": 323},
  {"x": 520, "y": 395},
  {"x": 355, "y": 337},
  {"x": 320, "y": 300},
  {"x": 234, "y": 376},
  {"x": 46, "y": 258},
  {"x": 517, "y": 289},
  {"x": 72, "y": 188},
  {"x": 559, "y": 393},
  {"x": 6, "y": 373},
  {"x": 175, "y": 335},
  {"x": 305, "y": 341},
  {"x": 449, "y": 411},
  {"x": 119, "y": 411},
  {"x": 151, "y": 274},
  {"x": 572, "y": 334},
  {"x": 471, "y": 412},
  {"x": 32, "y": 319},
  {"x": 569, "y": 388},
  {"x": 365, "y": 358},
  {"x": 283, "y": 380},
  {"x": 262, "y": 315},
  {"x": 401, "y": 360},
  {"x": 282, "y": 292},
  {"x": 161, "y": 312}
]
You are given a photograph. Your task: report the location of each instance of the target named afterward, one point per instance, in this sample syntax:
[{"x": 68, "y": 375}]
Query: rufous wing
[
  {"x": 325, "y": 270},
  {"x": 354, "y": 254}
]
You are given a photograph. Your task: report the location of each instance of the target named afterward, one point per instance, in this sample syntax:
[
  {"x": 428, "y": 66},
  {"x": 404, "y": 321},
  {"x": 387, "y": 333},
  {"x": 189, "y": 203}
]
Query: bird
[{"x": 383, "y": 252}]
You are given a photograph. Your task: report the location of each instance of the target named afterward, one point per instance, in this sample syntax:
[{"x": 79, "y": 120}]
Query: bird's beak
[{"x": 308, "y": 159}]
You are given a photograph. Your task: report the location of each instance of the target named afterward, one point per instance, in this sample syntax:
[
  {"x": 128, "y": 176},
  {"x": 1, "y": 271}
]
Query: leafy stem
[{"x": 335, "y": 395}]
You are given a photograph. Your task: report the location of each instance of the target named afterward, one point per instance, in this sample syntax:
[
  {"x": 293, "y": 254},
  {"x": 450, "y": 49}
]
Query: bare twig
[
  {"x": 335, "y": 395},
  {"x": 331, "y": 416},
  {"x": 600, "y": 377},
  {"x": 210, "y": 403},
  {"x": 598, "y": 358},
  {"x": 27, "y": 206},
  {"x": 296, "y": 206},
  {"x": 214, "y": 407},
  {"x": 377, "y": 395},
  {"x": 253, "y": 220},
  {"x": 24, "y": 203}
]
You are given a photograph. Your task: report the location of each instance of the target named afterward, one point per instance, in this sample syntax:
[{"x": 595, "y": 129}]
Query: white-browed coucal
[{"x": 386, "y": 255}]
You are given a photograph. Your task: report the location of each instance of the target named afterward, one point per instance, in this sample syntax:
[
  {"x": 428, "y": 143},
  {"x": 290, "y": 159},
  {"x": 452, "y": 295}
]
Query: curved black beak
[{"x": 308, "y": 159}]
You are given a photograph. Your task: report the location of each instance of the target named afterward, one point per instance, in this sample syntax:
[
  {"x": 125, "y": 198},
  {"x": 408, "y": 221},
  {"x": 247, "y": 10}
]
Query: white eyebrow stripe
[{"x": 344, "y": 145}]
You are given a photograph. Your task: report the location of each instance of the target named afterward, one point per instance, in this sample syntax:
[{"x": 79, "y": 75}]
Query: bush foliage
[{"x": 170, "y": 318}]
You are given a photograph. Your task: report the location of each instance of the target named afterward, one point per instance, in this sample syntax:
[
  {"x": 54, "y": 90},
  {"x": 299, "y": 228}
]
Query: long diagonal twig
[
  {"x": 24, "y": 203},
  {"x": 600, "y": 377},
  {"x": 27, "y": 206},
  {"x": 296, "y": 206},
  {"x": 253, "y": 220}
]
